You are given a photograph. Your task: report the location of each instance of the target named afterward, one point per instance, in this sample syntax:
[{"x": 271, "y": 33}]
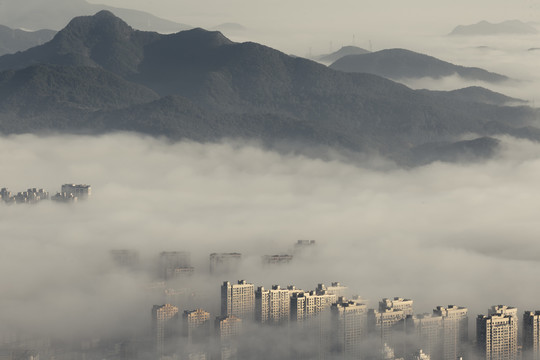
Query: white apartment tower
[
  {"x": 272, "y": 306},
  {"x": 531, "y": 338},
  {"x": 164, "y": 327},
  {"x": 391, "y": 314},
  {"x": 238, "y": 300},
  {"x": 349, "y": 327},
  {"x": 455, "y": 332},
  {"x": 496, "y": 333}
]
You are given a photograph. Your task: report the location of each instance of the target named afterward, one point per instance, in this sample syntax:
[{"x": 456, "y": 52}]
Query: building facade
[
  {"x": 238, "y": 300},
  {"x": 497, "y": 333},
  {"x": 164, "y": 328}
]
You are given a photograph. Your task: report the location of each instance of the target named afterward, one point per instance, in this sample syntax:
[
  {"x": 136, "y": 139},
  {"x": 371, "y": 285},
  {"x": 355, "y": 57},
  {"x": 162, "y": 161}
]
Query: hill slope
[
  {"x": 402, "y": 64},
  {"x": 510, "y": 27},
  {"x": 199, "y": 85},
  {"x": 13, "y": 40},
  {"x": 344, "y": 51}
]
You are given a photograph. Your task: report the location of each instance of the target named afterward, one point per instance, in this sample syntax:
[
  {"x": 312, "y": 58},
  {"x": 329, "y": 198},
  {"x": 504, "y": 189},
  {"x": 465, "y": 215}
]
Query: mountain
[
  {"x": 462, "y": 151},
  {"x": 99, "y": 75},
  {"x": 405, "y": 64},
  {"x": 55, "y": 14},
  {"x": 344, "y": 51},
  {"x": 479, "y": 94},
  {"x": 510, "y": 27},
  {"x": 13, "y": 40}
]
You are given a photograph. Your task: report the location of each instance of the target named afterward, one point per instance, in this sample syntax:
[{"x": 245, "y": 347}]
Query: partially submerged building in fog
[
  {"x": 223, "y": 263},
  {"x": 238, "y": 300},
  {"x": 272, "y": 306},
  {"x": 497, "y": 333},
  {"x": 276, "y": 259},
  {"x": 164, "y": 328},
  {"x": 30, "y": 196},
  {"x": 531, "y": 335},
  {"x": 174, "y": 264},
  {"x": 349, "y": 327}
]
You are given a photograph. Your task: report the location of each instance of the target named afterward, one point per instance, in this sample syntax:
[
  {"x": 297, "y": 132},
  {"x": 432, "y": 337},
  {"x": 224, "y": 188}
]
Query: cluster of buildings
[
  {"x": 253, "y": 322},
  {"x": 177, "y": 264},
  {"x": 342, "y": 328},
  {"x": 68, "y": 193}
]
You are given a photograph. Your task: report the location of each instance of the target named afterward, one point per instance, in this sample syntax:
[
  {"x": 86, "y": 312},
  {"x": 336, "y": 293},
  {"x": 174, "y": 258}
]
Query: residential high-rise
[
  {"x": 196, "y": 334},
  {"x": 425, "y": 332},
  {"x": 272, "y": 306},
  {"x": 397, "y": 303},
  {"x": 391, "y": 314},
  {"x": 305, "y": 305},
  {"x": 388, "y": 320},
  {"x": 125, "y": 258},
  {"x": 336, "y": 289},
  {"x": 238, "y": 300},
  {"x": 349, "y": 327},
  {"x": 196, "y": 325},
  {"x": 223, "y": 263},
  {"x": 531, "y": 335},
  {"x": 455, "y": 333},
  {"x": 276, "y": 259},
  {"x": 172, "y": 263},
  {"x": 164, "y": 327},
  {"x": 496, "y": 333},
  {"x": 228, "y": 328},
  {"x": 79, "y": 191}
]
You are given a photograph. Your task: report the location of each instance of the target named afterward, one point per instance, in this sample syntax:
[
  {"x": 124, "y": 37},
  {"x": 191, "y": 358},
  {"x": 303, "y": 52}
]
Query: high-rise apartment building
[
  {"x": 164, "y": 327},
  {"x": 455, "y": 332},
  {"x": 79, "y": 191},
  {"x": 277, "y": 259},
  {"x": 425, "y": 332},
  {"x": 173, "y": 263},
  {"x": 349, "y": 327},
  {"x": 196, "y": 325},
  {"x": 228, "y": 328},
  {"x": 496, "y": 333},
  {"x": 223, "y": 263},
  {"x": 238, "y": 300},
  {"x": 196, "y": 334},
  {"x": 306, "y": 305},
  {"x": 335, "y": 289},
  {"x": 531, "y": 335},
  {"x": 272, "y": 306},
  {"x": 389, "y": 317}
]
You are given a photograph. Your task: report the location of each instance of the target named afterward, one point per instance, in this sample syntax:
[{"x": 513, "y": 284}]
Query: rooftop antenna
[{"x": 370, "y": 46}]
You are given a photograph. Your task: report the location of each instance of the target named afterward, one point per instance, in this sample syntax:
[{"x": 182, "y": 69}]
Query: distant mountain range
[
  {"x": 344, "y": 51},
  {"x": 399, "y": 64},
  {"x": 510, "y": 27},
  {"x": 477, "y": 94},
  {"x": 55, "y": 14},
  {"x": 13, "y": 40},
  {"x": 99, "y": 75}
]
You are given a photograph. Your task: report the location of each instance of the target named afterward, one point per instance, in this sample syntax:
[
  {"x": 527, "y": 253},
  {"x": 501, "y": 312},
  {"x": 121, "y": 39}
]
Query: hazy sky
[{"x": 367, "y": 20}]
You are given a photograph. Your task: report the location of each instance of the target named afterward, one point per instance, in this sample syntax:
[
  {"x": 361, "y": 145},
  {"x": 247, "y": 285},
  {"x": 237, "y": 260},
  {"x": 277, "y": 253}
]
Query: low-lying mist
[{"x": 439, "y": 234}]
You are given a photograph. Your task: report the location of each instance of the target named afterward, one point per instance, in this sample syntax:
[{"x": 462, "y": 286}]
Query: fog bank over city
[{"x": 439, "y": 234}]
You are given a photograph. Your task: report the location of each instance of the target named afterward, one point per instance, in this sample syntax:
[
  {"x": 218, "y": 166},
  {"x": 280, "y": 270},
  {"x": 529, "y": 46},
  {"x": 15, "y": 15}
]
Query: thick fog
[{"x": 440, "y": 234}]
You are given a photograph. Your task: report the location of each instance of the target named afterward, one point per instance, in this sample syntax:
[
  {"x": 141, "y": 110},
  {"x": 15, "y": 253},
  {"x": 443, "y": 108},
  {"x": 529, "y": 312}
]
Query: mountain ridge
[
  {"x": 399, "y": 64},
  {"x": 199, "y": 85}
]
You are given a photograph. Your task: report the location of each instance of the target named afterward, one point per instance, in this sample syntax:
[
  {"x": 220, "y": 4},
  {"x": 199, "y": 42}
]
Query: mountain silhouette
[
  {"x": 102, "y": 75},
  {"x": 405, "y": 64}
]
